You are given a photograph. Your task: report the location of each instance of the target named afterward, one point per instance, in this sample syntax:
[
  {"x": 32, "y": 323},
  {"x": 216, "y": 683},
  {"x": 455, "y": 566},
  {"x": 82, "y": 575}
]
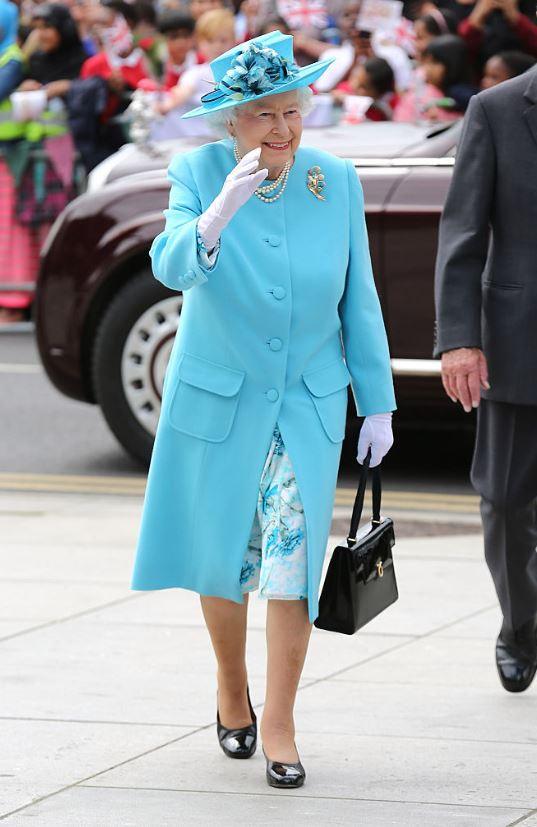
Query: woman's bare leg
[
  {"x": 288, "y": 634},
  {"x": 226, "y": 622}
]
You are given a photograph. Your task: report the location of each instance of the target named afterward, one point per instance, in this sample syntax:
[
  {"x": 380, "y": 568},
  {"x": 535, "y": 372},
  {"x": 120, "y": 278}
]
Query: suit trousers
[{"x": 504, "y": 473}]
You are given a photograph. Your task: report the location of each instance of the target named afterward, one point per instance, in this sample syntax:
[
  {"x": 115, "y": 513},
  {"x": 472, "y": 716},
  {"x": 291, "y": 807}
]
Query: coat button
[
  {"x": 275, "y": 344},
  {"x": 272, "y": 395},
  {"x": 279, "y": 292},
  {"x": 274, "y": 240}
]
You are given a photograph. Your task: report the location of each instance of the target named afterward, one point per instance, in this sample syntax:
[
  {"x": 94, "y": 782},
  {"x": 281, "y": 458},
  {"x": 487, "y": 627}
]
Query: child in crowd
[
  {"x": 119, "y": 62},
  {"x": 435, "y": 23},
  {"x": 178, "y": 31},
  {"x": 373, "y": 79},
  {"x": 446, "y": 91},
  {"x": 215, "y": 34},
  {"x": 504, "y": 66}
]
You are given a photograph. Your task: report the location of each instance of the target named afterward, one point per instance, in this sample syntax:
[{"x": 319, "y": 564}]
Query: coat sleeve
[
  {"x": 175, "y": 255},
  {"x": 464, "y": 236},
  {"x": 362, "y": 325},
  {"x": 10, "y": 77}
]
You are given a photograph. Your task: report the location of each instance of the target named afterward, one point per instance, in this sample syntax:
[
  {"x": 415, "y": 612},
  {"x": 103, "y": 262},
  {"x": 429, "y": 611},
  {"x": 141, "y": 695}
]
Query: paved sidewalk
[{"x": 108, "y": 696}]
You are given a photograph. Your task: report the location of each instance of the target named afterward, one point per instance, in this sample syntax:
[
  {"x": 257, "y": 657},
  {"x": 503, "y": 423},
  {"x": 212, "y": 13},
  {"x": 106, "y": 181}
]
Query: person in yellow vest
[
  {"x": 52, "y": 67},
  {"x": 15, "y": 241}
]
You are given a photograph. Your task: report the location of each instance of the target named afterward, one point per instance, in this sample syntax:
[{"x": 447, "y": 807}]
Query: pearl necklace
[{"x": 262, "y": 192}]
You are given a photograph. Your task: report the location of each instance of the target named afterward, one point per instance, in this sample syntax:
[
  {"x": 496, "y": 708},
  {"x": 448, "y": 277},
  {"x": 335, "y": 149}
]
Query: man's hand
[{"x": 464, "y": 373}]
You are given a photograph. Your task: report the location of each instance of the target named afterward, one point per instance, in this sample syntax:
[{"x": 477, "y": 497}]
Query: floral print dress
[{"x": 276, "y": 560}]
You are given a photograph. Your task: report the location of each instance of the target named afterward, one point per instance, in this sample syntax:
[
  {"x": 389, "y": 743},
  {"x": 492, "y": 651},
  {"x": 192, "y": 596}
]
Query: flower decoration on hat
[{"x": 254, "y": 71}]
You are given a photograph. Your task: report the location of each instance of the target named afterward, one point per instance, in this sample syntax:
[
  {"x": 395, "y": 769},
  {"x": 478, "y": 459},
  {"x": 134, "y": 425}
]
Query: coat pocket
[
  {"x": 328, "y": 390},
  {"x": 205, "y": 398}
]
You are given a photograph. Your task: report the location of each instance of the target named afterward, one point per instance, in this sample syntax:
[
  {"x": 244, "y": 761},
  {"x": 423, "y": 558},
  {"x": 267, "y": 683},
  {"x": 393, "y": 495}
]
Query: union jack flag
[{"x": 303, "y": 14}]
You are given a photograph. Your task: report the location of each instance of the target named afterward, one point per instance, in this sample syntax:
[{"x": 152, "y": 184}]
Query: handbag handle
[{"x": 359, "y": 500}]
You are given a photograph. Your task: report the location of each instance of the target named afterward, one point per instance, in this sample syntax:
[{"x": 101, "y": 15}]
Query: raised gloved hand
[
  {"x": 376, "y": 433},
  {"x": 238, "y": 187}
]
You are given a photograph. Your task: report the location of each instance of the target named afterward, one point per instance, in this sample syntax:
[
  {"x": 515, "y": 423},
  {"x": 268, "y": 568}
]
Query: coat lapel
[{"x": 530, "y": 94}]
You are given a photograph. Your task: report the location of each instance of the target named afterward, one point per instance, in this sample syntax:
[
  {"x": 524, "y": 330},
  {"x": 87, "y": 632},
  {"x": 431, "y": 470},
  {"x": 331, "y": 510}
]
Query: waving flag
[{"x": 303, "y": 14}]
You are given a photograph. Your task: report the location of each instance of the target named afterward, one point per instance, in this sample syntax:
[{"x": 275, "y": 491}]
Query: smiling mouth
[{"x": 279, "y": 147}]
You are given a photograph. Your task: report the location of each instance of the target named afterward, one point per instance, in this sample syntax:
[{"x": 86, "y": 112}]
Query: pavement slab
[
  {"x": 480, "y": 714},
  {"x": 164, "y": 674},
  {"x": 50, "y": 601},
  {"x": 343, "y": 764},
  {"x": 123, "y": 807},
  {"x": 436, "y": 662},
  {"x": 40, "y": 757}
]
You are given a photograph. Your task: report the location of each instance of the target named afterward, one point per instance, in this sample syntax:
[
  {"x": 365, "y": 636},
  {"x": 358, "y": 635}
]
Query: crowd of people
[{"x": 68, "y": 72}]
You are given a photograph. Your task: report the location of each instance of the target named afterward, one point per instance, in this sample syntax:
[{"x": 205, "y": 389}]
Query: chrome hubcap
[{"x": 145, "y": 357}]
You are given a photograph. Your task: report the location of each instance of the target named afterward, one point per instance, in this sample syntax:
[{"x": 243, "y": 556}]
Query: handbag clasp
[{"x": 380, "y": 568}]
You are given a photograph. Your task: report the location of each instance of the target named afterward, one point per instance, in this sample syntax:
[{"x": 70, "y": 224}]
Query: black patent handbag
[{"x": 360, "y": 581}]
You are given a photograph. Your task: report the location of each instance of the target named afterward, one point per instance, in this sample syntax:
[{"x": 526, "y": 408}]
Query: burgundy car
[{"x": 105, "y": 326}]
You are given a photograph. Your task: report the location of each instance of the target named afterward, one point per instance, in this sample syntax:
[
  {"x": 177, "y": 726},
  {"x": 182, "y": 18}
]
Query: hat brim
[{"x": 306, "y": 76}]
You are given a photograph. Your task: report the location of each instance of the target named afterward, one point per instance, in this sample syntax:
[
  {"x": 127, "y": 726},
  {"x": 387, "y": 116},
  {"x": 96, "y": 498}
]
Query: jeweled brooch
[{"x": 316, "y": 182}]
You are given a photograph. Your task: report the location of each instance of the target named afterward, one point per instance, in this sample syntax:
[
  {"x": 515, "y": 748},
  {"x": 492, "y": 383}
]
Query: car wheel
[{"x": 132, "y": 348}]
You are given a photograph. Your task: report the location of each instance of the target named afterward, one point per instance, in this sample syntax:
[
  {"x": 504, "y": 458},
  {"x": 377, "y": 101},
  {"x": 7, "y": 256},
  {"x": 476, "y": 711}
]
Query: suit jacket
[
  {"x": 486, "y": 271},
  {"x": 259, "y": 343}
]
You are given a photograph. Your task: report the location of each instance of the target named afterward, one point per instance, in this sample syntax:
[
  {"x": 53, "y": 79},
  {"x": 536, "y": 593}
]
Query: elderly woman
[{"x": 267, "y": 241}]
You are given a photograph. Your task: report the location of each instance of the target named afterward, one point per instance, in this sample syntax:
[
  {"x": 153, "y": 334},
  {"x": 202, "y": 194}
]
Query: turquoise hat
[{"x": 256, "y": 69}]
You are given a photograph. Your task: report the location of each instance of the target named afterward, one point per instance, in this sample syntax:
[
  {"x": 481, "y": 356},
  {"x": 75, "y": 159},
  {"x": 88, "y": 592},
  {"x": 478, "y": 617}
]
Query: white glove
[
  {"x": 238, "y": 187},
  {"x": 376, "y": 433}
]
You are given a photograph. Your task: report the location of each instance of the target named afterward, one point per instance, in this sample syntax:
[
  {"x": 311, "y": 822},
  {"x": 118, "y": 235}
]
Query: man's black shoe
[{"x": 516, "y": 656}]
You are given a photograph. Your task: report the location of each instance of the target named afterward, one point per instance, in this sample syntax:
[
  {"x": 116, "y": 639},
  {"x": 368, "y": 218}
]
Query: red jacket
[
  {"x": 172, "y": 75},
  {"x": 525, "y": 30}
]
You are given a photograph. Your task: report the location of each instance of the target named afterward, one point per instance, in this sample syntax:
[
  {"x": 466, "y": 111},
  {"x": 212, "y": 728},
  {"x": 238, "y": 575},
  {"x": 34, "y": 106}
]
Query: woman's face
[
  {"x": 433, "y": 71},
  {"x": 495, "y": 72},
  {"x": 422, "y": 38},
  {"x": 49, "y": 37},
  {"x": 274, "y": 124}
]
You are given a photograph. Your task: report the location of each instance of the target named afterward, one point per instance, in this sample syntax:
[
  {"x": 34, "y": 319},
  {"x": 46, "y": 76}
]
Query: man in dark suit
[{"x": 486, "y": 297}]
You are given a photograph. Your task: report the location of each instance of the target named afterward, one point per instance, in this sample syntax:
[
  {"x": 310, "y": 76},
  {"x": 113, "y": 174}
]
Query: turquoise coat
[{"x": 259, "y": 343}]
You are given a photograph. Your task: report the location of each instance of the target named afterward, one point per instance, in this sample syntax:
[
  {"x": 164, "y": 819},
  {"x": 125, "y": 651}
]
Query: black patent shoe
[
  {"x": 284, "y": 776},
  {"x": 238, "y": 743},
  {"x": 516, "y": 657}
]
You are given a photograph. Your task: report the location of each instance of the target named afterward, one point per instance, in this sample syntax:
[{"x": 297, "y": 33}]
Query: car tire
[{"x": 130, "y": 354}]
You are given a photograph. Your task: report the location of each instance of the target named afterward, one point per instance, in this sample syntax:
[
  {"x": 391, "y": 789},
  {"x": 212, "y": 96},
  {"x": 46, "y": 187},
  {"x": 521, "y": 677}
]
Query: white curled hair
[{"x": 219, "y": 120}]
